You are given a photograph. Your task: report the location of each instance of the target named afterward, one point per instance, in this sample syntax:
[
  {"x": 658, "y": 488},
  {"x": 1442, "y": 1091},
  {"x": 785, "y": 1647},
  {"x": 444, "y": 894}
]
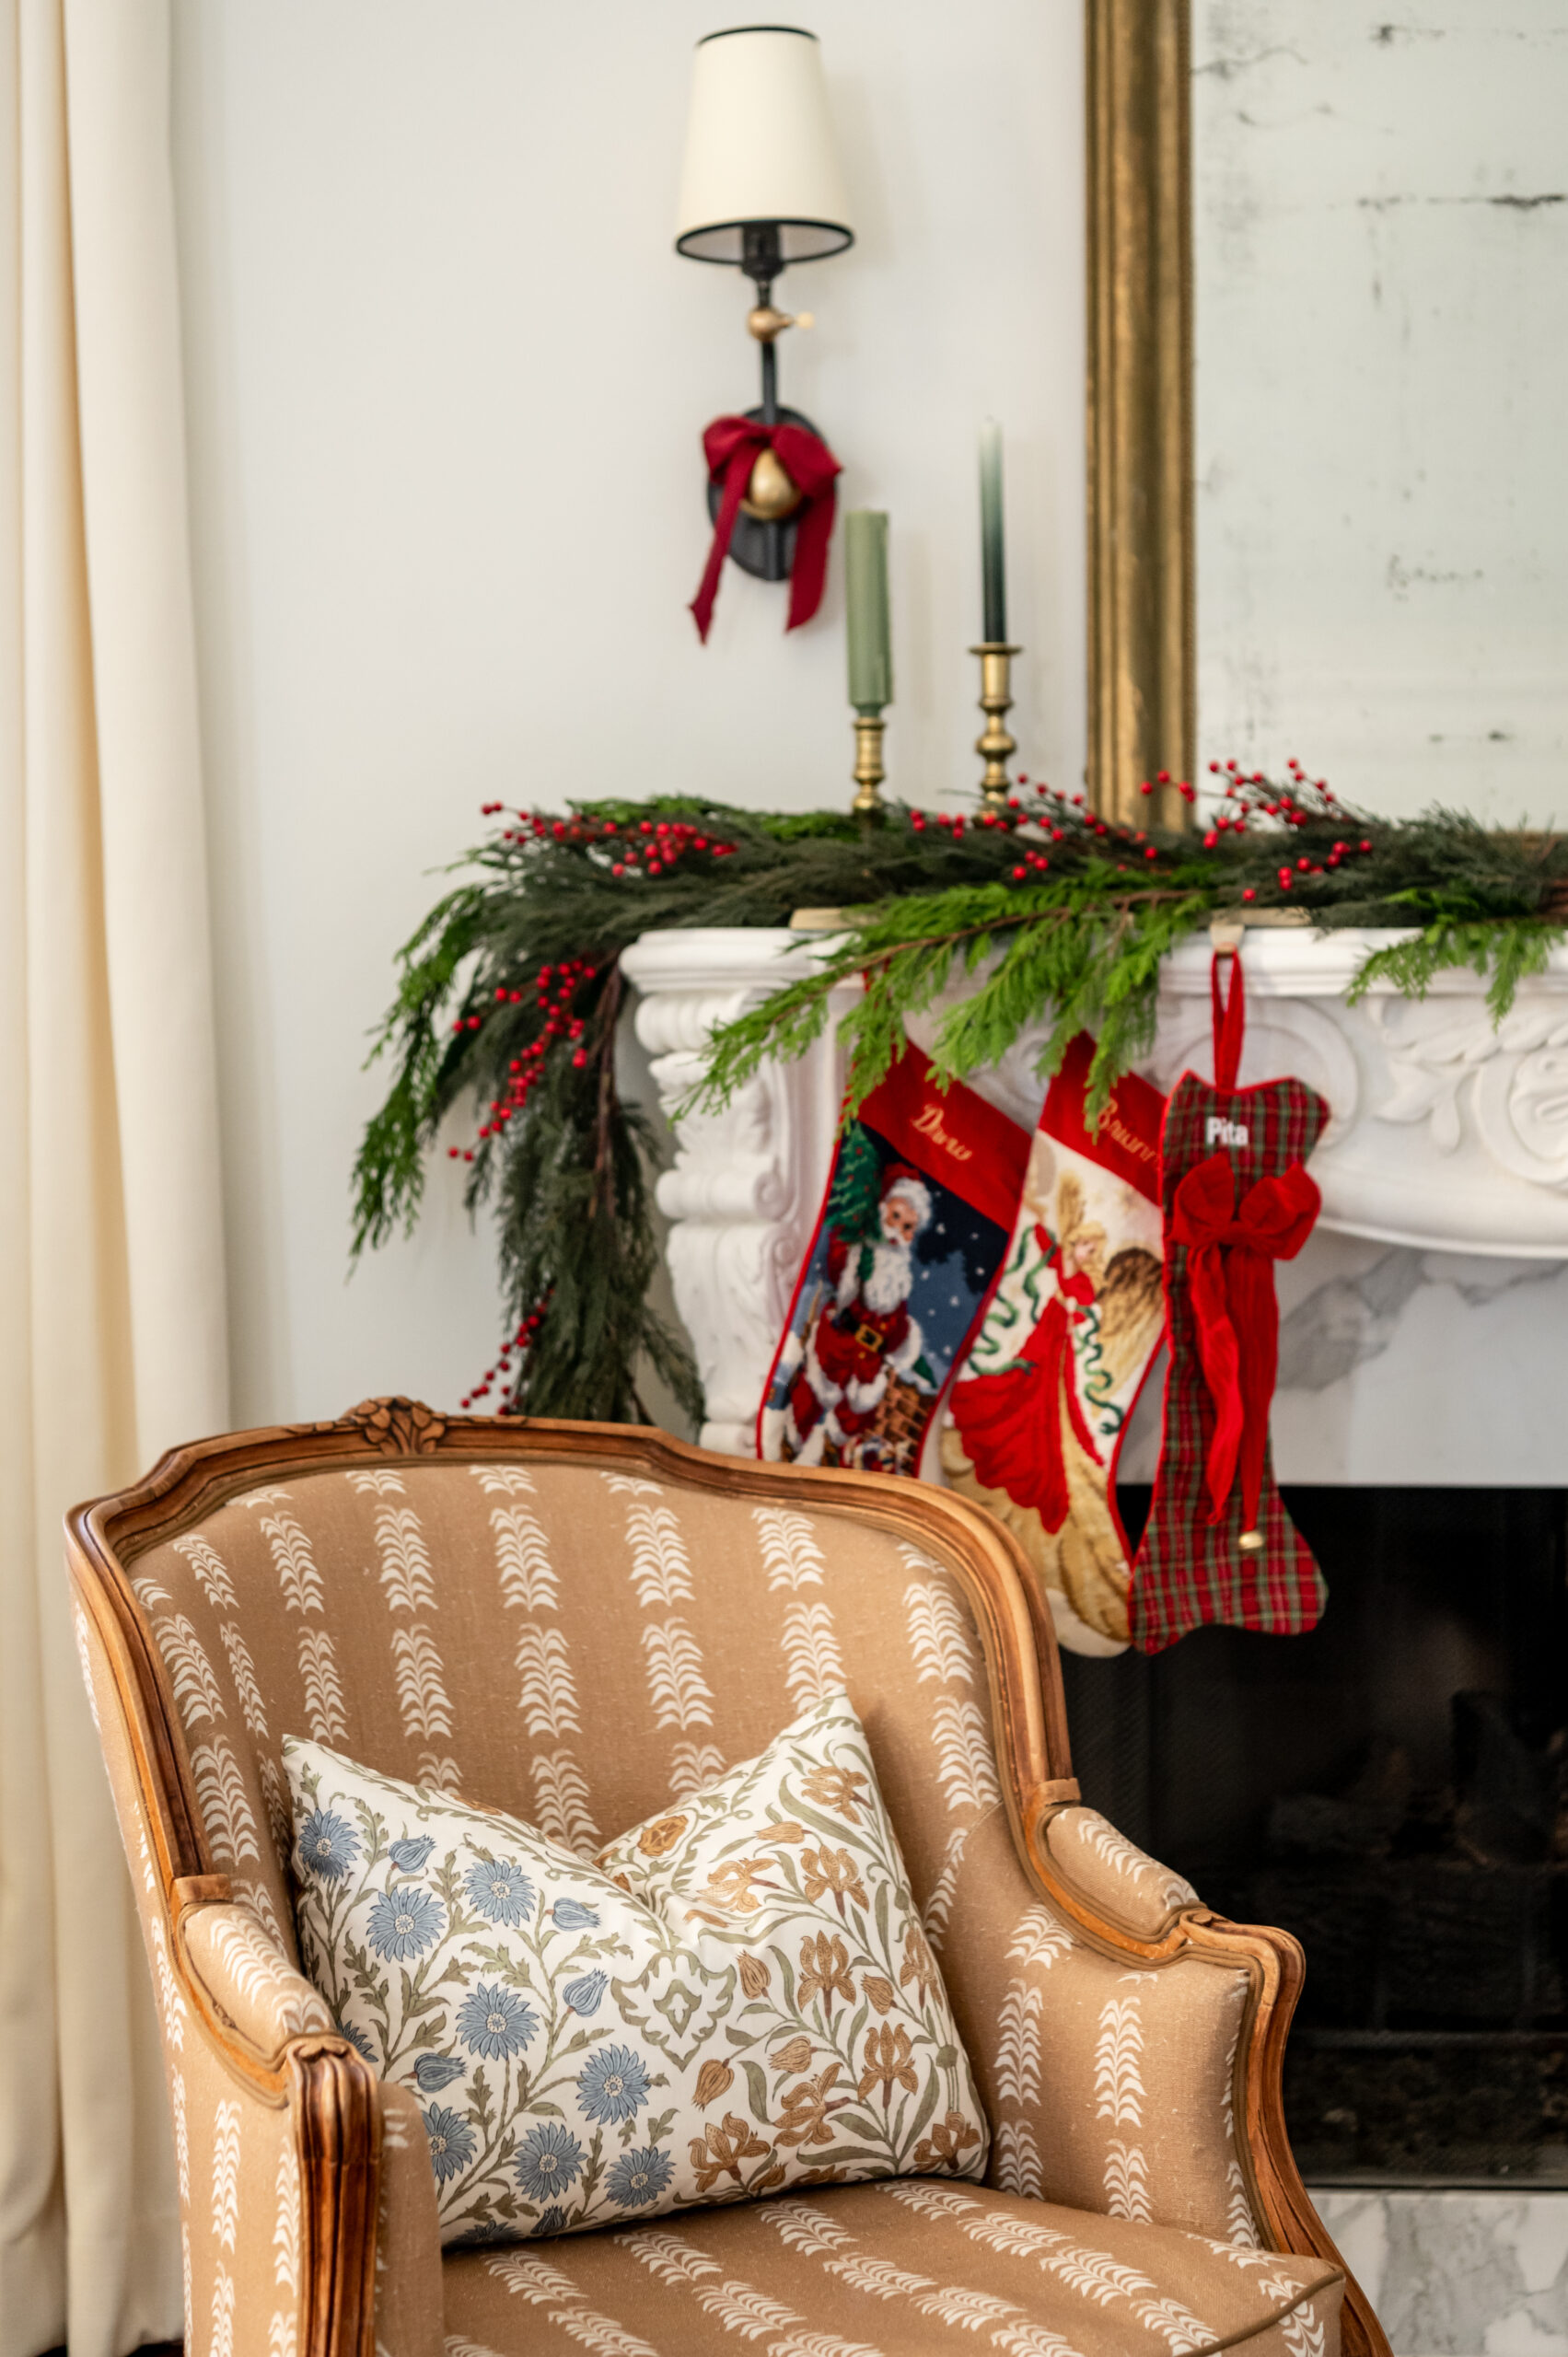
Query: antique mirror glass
[{"x": 1379, "y": 210}]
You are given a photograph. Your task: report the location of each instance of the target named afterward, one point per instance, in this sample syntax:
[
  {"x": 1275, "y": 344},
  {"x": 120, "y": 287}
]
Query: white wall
[{"x": 447, "y": 380}]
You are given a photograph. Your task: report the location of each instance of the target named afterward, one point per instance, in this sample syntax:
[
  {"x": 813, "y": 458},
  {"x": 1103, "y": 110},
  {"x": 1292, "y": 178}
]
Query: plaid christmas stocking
[
  {"x": 913, "y": 1229},
  {"x": 1036, "y": 1418},
  {"x": 1219, "y": 1545}
]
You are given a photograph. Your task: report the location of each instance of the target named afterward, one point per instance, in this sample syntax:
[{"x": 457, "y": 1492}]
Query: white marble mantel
[{"x": 1441, "y": 1246}]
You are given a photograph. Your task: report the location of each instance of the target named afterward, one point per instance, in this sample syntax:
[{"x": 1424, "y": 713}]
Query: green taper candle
[
  {"x": 865, "y": 573},
  {"x": 993, "y": 563}
]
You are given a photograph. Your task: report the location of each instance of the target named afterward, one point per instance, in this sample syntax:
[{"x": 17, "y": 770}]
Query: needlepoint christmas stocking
[
  {"x": 1036, "y": 1415},
  {"x": 1219, "y": 1545},
  {"x": 912, "y": 1232}
]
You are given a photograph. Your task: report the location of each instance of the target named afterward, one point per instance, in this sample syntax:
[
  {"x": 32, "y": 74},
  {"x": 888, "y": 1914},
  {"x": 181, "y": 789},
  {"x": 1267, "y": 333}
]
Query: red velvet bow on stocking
[
  {"x": 730, "y": 447},
  {"x": 1232, "y": 1247}
]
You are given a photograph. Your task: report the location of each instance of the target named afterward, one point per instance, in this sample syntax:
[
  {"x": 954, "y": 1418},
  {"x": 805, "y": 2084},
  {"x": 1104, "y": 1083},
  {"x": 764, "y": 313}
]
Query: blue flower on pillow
[
  {"x": 570, "y": 1915},
  {"x": 360, "y": 2043},
  {"x": 611, "y": 2084},
  {"x": 452, "y": 2145},
  {"x": 328, "y": 1844},
  {"x": 500, "y": 1890},
  {"x": 434, "y": 2072},
  {"x": 495, "y": 2023},
  {"x": 638, "y": 2178},
  {"x": 404, "y": 1923},
  {"x": 551, "y": 2220},
  {"x": 586, "y": 1993},
  {"x": 548, "y": 2160},
  {"x": 410, "y": 1853}
]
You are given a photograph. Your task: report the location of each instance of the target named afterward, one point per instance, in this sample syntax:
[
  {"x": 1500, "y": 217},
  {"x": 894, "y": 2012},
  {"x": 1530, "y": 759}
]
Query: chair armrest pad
[
  {"x": 1118, "y": 1882},
  {"x": 250, "y": 1980}
]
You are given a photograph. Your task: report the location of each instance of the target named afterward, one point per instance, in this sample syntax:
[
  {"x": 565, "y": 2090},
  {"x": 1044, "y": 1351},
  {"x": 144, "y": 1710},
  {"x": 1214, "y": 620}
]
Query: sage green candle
[
  {"x": 866, "y": 577},
  {"x": 993, "y": 563}
]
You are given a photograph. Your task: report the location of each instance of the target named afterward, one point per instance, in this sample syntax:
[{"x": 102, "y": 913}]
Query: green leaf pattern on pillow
[{"x": 748, "y": 2004}]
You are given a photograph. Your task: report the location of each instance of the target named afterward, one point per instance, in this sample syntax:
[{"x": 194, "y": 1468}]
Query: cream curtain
[{"x": 111, "y": 1301}]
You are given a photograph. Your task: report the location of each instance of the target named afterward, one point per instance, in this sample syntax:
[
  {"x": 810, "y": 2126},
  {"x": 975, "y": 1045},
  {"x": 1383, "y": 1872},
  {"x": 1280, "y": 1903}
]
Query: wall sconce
[{"x": 761, "y": 189}]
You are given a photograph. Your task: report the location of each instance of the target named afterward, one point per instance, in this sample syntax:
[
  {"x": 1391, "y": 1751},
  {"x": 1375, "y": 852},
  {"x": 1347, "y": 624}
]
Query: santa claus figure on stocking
[{"x": 857, "y": 1342}]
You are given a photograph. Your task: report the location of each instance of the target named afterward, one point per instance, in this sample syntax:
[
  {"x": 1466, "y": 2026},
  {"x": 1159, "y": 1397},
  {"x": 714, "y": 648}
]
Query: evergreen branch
[{"x": 510, "y": 993}]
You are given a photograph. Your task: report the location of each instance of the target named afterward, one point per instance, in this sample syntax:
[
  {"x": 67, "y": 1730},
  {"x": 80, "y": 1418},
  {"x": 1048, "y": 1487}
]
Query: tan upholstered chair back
[{"x": 574, "y": 1642}]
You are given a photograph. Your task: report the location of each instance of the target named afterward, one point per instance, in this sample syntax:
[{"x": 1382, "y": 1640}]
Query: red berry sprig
[
  {"x": 556, "y": 987},
  {"x": 644, "y": 847},
  {"x": 503, "y": 1372}
]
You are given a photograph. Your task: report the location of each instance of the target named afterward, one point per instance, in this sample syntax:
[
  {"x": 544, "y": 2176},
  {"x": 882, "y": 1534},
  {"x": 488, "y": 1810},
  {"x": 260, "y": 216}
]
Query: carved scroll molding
[
  {"x": 746, "y": 1182},
  {"x": 1443, "y": 1133}
]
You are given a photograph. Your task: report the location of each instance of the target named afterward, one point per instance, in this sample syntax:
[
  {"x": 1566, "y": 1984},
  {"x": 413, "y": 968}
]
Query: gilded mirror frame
[{"x": 1142, "y": 667}]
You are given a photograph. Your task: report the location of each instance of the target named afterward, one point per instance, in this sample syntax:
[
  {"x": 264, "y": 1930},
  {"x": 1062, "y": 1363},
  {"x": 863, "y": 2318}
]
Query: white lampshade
[{"x": 759, "y": 147}]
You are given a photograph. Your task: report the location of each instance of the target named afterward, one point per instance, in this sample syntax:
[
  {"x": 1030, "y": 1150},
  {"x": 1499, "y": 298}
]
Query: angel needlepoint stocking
[
  {"x": 910, "y": 1236},
  {"x": 1037, "y": 1412},
  {"x": 1219, "y": 1545}
]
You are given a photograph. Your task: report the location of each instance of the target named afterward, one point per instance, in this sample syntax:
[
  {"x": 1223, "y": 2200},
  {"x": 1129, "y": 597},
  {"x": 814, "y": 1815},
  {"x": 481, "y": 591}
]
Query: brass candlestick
[
  {"x": 995, "y": 745},
  {"x": 868, "y": 770}
]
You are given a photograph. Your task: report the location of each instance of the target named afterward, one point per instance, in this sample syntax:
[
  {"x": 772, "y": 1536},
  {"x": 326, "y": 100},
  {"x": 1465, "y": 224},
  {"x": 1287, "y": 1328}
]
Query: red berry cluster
[
  {"x": 647, "y": 847},
  {"x": 655, "y": 844},
  {"x": 554, "y": 988},
  {"x": 502, "y": 1370},
  {"x": 1056, "y": 817},
  {"x": 1300, "y": 802}
]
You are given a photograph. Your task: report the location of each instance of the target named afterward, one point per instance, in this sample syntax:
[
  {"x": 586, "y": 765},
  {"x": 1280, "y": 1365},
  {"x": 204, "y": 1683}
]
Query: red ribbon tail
[
  {"x": 737, "y": 475},
  {"x": 1220, "y": 1351},
  {"x": 1256, "y": 1312},
  {"x": 809, "y": 576}
]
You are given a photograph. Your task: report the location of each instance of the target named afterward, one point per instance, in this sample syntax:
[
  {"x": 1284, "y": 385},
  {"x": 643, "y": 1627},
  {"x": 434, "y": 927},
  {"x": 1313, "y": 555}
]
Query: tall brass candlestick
[
  {"x": 993, "y": 744},
  {"x": 868, "y": 771}
]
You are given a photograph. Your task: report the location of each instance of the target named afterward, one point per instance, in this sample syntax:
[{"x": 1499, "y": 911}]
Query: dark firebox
[{"x": 1393, "y": 1788}]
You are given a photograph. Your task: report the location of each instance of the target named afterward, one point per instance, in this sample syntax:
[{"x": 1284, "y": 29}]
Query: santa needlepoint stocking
[
  {"x": 1037, "y": 1414},
  {"x": 913, "y": 1229},
  {"x": 1219, "y": 1545}
]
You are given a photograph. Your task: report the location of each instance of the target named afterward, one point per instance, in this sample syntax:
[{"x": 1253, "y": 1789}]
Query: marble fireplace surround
[
  {"x": 1424, "y": 1340},
  {"x": 1424, "y": 1328}
]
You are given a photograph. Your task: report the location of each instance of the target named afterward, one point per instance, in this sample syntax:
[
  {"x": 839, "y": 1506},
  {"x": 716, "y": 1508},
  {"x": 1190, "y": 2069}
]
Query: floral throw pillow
[{"x": 738, "y": 1998}]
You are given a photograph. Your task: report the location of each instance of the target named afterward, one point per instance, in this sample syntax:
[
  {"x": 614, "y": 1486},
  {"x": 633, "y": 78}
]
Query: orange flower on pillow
[
  {"x": 824, "y": 1971},
  {"x": 941, "y": 2149},
  {"x": 835, "y": 1788},
  {"x": 887, "y": 2058},
  {"x": 804, "y": 2115},
  {"x": 919, "y": 1965},
  {"x": 720, "y": 2151},
  {"x": 730, "y": 1885},
  {"x": 656, "y": 1841},
  {"x": 833, "y": 1869}
]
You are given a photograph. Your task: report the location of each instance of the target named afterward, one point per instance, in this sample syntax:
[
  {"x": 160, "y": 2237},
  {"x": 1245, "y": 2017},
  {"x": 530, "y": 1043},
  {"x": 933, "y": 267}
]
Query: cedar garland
[{"x": 511, "y": 990}]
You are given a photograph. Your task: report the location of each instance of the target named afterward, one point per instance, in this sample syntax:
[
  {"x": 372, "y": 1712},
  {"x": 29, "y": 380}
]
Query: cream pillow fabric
[{"x": 738, "y": 1998}]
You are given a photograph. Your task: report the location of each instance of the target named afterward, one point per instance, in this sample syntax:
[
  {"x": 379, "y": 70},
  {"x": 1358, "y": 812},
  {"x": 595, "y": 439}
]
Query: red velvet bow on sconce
[{"x": 762, "y": 189}]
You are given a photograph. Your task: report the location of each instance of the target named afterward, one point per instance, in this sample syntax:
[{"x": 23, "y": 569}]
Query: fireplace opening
[{"x": 1392, "y": 1788}]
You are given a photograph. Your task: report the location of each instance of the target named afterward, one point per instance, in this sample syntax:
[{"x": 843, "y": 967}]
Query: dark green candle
[
  {"x": 993, "y": 562},
  {"x": 866, "y": 601}
]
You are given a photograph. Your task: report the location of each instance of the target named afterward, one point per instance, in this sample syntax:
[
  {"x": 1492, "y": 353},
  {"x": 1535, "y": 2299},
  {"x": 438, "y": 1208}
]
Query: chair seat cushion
[{"x": 900, "y": 2268}]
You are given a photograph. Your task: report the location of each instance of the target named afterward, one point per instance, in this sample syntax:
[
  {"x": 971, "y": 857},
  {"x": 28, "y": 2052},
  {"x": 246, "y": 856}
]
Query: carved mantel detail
[{"x": 1445, "y": 1134}]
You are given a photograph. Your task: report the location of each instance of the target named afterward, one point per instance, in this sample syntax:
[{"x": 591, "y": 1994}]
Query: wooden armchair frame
[{"x": 331, "y": 2096}]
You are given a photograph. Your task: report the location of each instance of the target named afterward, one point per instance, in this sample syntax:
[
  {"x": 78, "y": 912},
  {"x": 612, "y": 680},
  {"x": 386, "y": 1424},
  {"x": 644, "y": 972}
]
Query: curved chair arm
[
  {"x": 256, "y": 1994},
  {"x": 1156, "y": 2031},
  {"x": 307, "y": 2206}
]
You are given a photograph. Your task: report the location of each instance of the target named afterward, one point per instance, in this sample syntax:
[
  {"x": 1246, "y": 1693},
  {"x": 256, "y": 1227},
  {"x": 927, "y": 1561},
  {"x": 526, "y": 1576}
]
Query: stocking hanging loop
[{"x": 1230, "y": 1018}]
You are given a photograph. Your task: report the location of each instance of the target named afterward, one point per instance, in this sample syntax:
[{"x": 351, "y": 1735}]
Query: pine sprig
[{"x": 510, "y": 993}]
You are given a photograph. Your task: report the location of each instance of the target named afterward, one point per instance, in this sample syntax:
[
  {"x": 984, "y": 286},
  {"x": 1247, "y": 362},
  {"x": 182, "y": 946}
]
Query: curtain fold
[{"x": 111, "y": 1295}]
